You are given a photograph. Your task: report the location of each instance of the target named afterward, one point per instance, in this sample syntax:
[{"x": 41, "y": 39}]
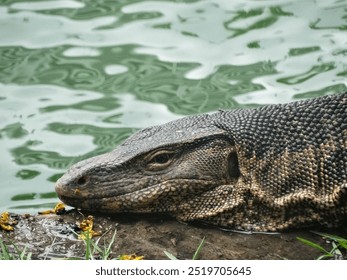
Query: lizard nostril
[{"x": 82, "y": 181}]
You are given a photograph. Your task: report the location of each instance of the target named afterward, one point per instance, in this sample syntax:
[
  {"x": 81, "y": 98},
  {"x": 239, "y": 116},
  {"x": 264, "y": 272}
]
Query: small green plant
[
  {"x": 195, "y": 256},
  {"x": 339, "y": 245},
  {"x": 19, "y": 254},
  {"x": 93, "y": 248}
]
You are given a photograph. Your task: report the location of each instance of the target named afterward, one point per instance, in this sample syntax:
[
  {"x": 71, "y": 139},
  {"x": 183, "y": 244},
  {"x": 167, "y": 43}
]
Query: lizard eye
[{"x": 160, "y": 159}]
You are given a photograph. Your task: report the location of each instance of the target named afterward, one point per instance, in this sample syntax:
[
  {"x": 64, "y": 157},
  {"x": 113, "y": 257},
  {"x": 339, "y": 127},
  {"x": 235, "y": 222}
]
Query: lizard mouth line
[{"x": 78, "y": 198}]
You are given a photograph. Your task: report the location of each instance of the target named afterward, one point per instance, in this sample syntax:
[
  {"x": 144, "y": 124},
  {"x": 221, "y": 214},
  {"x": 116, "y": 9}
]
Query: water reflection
[
  {"x": 59, "y": 127},
  {"x": 76, "y": 78}
]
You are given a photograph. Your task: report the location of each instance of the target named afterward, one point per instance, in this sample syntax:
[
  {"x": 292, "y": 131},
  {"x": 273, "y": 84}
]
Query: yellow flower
[
  {"x": 5, "y": 222},
  {"x": 132, "y": 257},
  {"x": 87, "y": 228},
  {"x": 59, "y": 208}
]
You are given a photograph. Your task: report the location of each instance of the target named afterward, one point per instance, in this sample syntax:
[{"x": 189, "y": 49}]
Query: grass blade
[
  {"x": 170, "y": 256},
  {"x": 343, "y": 244},
  {"x": 4, "y": 253},
  {"x": 313, "y": 245},
  {"x": 108, "y": 251},
  {"x": 330, "y": 236},
  {"x": 340, "y": 240},
  {"x": 198, "y": 250}
]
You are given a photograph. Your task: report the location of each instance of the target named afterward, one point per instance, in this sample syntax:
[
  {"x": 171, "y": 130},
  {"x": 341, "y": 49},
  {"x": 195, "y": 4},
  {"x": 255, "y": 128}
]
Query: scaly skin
[{"x": 263, "y": 169}]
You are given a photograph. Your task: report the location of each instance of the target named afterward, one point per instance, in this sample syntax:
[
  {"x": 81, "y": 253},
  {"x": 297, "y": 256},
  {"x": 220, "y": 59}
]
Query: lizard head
[{"x": 158, "y": 169}]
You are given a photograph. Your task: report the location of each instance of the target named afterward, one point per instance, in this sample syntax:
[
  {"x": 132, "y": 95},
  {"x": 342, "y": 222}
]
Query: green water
[{"x": 78, "y": 77}]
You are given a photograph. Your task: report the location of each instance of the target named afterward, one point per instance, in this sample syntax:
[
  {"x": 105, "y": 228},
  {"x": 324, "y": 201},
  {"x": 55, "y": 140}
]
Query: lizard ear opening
[{"x": 233, "y": 166}]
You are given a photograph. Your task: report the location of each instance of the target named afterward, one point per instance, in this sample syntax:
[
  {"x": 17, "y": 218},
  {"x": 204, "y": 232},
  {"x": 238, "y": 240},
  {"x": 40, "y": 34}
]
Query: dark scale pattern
[
  {"x": 264, "y": 169},
  {"x": 293, "y": 159}
]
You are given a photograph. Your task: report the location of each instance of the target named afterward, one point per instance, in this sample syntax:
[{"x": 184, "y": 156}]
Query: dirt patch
[{"x": 51, "y": 237}]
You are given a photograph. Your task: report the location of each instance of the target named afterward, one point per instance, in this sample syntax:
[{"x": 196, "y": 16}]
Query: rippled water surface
[{"x": 78, "y": 77}]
